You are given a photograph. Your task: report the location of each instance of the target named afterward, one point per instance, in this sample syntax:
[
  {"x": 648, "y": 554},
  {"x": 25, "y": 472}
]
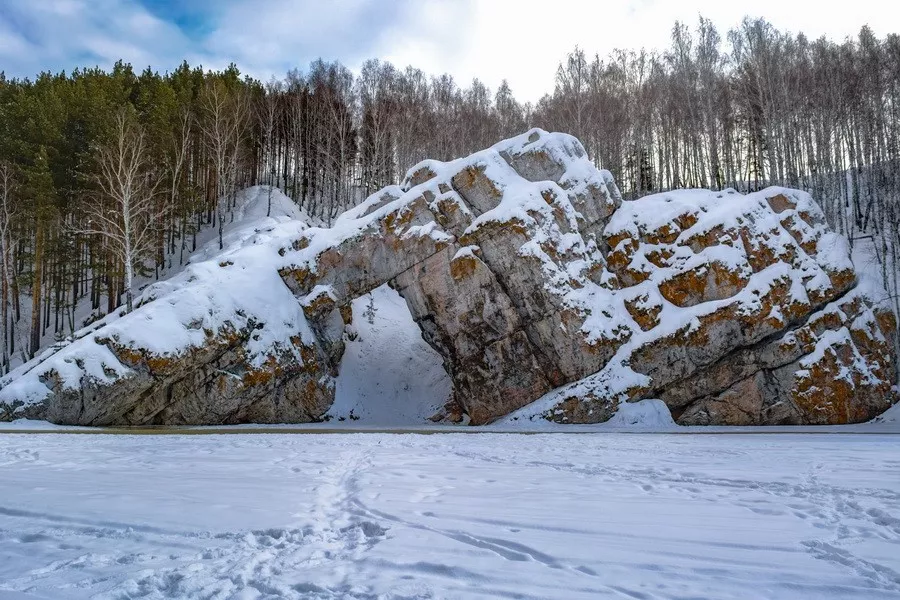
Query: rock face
[
  {"x": 750, "y": 313},
  {"x": 534, "y": 281},
  {"x": 492, "y": 255}
]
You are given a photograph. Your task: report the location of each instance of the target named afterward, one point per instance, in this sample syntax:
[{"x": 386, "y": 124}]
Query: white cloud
[
  {"x": 520, "y": 40},
  {"x": 524, "y": 40},
  {"x": 269, "y": 36},
  {"x": 64, "y": 34}
]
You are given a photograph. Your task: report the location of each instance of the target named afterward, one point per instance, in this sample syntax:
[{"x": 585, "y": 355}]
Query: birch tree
[
  {"x": 226, "y": 120},
  {"x": 7, "y": 189},
  {"x": 125, "y": 209},
  {"x": 267, "y": 118}
]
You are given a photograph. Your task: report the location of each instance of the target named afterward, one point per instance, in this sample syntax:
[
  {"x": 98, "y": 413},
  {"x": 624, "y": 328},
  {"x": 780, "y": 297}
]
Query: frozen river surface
[{"x": 450, "y": 516}]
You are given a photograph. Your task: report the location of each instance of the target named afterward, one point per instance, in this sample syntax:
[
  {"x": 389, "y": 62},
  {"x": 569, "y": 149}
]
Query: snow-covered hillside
[
  {"x": 389, "y": 375},
  {"x": 177, "y": 311},
  {"x": 251, "y": 207}
]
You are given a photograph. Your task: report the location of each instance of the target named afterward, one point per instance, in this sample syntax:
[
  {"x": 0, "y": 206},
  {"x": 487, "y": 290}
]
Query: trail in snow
[
  {"x": 327, "y": 534},
  {"x": 449, "y": 516},
  {"x": 205, "y": 564}
]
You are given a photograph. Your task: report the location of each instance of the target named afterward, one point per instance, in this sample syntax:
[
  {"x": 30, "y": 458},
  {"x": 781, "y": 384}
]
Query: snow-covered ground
[
  {"x": 449, "y": 516},
  {"x": 389, "y": 375}
]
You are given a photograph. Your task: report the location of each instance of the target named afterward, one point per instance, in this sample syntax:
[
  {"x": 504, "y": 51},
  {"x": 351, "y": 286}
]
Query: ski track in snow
[{"x": 449, "y": 516}]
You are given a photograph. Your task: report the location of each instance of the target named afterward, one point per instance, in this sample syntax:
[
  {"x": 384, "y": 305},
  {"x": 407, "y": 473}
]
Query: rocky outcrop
[
  {"x": 214, "y": 384},
  {"x": 547, "y": 296},
  {"x": 496, "y": 256},
  {"x": 527, "y": 272},
  {"x": 223, "y": 342}
]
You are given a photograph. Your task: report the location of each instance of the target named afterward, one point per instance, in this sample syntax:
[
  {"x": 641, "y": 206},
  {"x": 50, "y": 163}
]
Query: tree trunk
[{"x": 36, "y": 287}]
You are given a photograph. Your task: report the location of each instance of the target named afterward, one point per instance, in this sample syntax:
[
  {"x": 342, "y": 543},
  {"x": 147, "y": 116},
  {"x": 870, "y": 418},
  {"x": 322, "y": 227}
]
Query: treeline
[
  {"x": 762, "y": 107},
  {"x": 107, "y": 176}
]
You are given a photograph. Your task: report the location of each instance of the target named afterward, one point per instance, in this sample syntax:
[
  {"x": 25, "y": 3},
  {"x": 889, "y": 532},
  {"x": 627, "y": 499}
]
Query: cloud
[
  {"x": 520, "y": 40},
  {"x": 524, "y": 40},
  {"x": 64, "y": 34},
  {"x": 263, "y": 37},
  {"x": 273, "y": 35}
]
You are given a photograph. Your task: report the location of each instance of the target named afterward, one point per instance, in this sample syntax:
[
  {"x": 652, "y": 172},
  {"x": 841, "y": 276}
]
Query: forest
[{"x": 106, "y": 177}]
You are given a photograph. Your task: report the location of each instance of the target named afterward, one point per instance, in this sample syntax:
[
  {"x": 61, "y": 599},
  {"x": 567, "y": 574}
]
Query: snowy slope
[
  {"x": 251, "y": 206},
  {"x": 889, "y": 417},
  {"x": 217, "y": 291}
]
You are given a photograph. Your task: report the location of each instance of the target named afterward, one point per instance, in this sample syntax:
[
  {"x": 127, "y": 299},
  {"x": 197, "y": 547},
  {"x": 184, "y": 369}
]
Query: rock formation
[
  {"x": 222, "y": 342},
  {"x": 545, "y": 293}
]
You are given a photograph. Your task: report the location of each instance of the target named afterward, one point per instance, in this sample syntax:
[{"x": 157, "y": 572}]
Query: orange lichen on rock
[
  {"x": 759, "y": 254},
  {"x": 473, "y": 180},
  {"x": 396, "y": 221},
  {"x": 780, "y": 203},
  {"x": 614, "y": 239},
  {"x": 686, "y": 220},
  {"x": 823, "y": 395},
  {"x": 592, "y": 406},
  {"x": 660, "y": 257},
  {"x": 645, "y": 314},
  {"x": 422, "y": 175},
  {"x": 806, "y": 236},
  {"x": 322, "y": 304},
  {"x": 666, "y": 234},
  {"x": 702, "y": 240},
  {"x": 463, "y": 266},
  {"x": 622, "y": 254},
  {"x": 489, "y": 229},
  {"x": 711, "y": 281},
  {"x": 301, "y": 275}
]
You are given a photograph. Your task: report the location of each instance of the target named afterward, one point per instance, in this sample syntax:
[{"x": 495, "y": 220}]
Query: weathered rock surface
[
  {"x": 546, "y": 295},
  {"x": 494, "y": 260}
]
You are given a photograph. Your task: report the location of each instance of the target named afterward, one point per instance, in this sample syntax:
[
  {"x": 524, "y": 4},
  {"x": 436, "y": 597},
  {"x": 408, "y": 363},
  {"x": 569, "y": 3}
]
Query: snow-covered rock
[
  {"x": 543, "y": 293},
  {"x": 891, "y": 415},
  {"x": 527, "y": 272},
  {"x": 650, "y": 414},
  {"x": 498, "y": 257},
  {"x": 223, "y": 341}
]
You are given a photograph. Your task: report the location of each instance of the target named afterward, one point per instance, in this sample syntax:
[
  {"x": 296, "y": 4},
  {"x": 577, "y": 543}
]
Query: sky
[{"x": 520, "y": 40}]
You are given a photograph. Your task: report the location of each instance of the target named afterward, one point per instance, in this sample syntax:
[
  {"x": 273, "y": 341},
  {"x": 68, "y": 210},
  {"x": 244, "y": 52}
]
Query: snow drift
[{"x": 541, "y": 291}]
